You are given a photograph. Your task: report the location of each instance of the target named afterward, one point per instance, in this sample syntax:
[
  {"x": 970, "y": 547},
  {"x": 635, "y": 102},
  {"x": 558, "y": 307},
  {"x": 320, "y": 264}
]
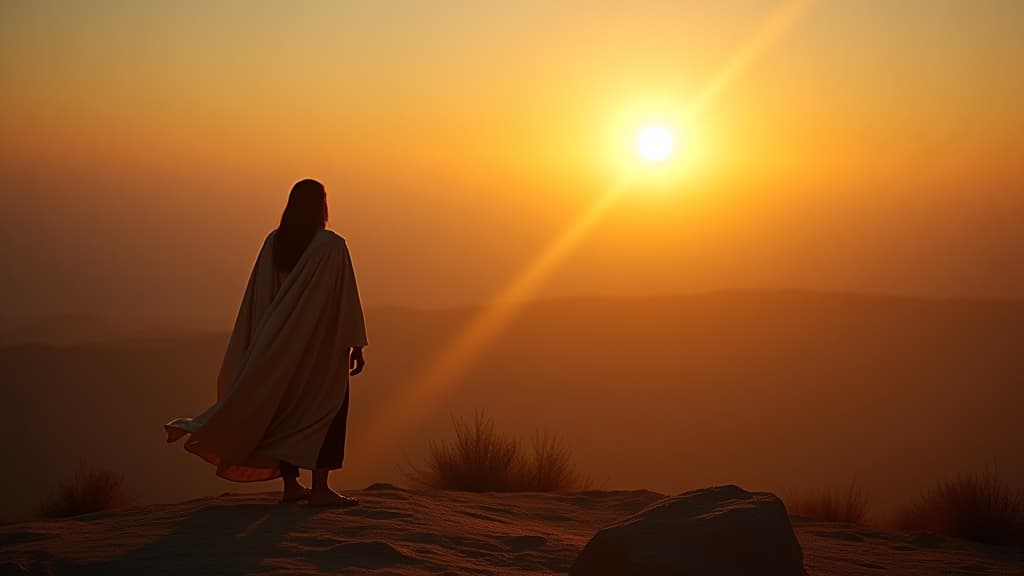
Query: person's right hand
[{"x": 355, "y": 361}]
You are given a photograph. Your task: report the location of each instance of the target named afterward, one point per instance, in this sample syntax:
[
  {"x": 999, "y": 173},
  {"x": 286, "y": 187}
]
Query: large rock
[{"x": 718, "y": 531}]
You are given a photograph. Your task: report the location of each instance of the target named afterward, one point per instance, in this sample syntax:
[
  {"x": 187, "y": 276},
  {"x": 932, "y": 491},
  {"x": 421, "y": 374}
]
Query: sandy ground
[{"x": 397, "y": 531}]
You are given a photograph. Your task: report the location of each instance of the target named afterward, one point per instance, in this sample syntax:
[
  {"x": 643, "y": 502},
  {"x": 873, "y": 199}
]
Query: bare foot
[
  {"x": 293, "y": 492},
  {"x": 328, "y": 497}
]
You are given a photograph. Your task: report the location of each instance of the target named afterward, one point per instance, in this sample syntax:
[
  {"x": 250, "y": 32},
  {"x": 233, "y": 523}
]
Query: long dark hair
[{"x": 303, "y": 217}]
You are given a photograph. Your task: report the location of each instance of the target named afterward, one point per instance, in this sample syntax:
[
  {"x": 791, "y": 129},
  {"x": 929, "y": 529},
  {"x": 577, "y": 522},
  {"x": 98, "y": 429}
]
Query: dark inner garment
[{"x": 332, "y": 451}]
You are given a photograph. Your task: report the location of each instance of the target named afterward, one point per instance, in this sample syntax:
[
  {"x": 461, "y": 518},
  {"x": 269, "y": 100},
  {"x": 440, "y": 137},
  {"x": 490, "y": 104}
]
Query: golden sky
[{"x": 147, "y": 147}]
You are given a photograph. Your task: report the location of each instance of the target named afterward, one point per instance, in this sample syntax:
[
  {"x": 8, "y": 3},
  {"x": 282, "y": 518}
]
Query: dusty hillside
[
  {"x": 409, "y": 532},
  {"x": 777, "y": 391}
]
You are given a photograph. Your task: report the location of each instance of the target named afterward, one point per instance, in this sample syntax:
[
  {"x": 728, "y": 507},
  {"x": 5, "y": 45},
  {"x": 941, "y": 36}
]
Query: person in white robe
[{"x": 283, "y": 386}]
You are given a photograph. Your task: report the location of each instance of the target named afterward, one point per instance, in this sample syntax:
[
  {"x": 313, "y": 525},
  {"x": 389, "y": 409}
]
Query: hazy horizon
[{"x": 780, "y": 391}]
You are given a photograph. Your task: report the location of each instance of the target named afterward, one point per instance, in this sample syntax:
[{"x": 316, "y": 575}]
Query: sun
[{"x": 655, "y": 143}]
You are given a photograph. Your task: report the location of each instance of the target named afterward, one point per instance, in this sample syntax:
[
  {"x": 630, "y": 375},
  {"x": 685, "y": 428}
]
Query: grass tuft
[
  {"x": 481, "y": 459},
  {"x": 832, "y": 505},
  {"x": 979, "y": 507},
  {"x": 86, "y": 492}
]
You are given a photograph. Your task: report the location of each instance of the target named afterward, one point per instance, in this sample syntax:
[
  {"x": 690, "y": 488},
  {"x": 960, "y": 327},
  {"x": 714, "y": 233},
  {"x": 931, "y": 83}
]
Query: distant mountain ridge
[
  {"x": 56, "y": 330},
  {"x": 74, "y": 328}
]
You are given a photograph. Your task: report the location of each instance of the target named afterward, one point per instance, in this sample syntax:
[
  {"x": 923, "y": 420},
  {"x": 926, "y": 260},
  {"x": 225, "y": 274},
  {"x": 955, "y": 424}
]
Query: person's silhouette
[{"x": 283, "y": 393}]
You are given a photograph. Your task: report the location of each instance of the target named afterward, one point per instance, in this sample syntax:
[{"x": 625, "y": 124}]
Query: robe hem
[{"x": 174, "y": 434}]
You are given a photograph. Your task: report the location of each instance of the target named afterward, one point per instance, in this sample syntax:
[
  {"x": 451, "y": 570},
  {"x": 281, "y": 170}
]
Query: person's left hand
[{"x": 355, "y": 361}]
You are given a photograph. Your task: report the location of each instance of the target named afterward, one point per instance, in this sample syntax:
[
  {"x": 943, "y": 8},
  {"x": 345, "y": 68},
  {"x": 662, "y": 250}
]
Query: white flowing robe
[{"x": 285, "y": 372}]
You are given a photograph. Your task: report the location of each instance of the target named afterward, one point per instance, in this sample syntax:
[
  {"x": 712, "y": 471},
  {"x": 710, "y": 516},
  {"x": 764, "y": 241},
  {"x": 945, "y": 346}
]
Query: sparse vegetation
[
  {"x": 979, "y": 507},
  {"x": 85, "y": 492},
  {"x": 549, "y": 467},
  {"x": 831, "y": 505},
  {"x": 481, "y": 459}
]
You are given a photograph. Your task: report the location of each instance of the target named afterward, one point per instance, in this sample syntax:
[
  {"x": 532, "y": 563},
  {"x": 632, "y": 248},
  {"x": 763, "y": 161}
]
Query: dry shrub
[
  {"x": 481, "y": 459},
  {"x": 549, "y": 467},
  {"x": 86, "y": 492},
  {"x": 831, "y": 505},
  {"x": 979, "y": 507}
]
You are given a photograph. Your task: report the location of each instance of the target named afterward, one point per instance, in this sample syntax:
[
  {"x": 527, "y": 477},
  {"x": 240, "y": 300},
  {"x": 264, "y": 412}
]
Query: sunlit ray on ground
[{"x": 423, "y": 393}]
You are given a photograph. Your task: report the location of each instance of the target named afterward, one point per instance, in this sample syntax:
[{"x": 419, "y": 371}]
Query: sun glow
[
  {"x": 650, "y": 142},
  {"x": 655, "y": 143}
]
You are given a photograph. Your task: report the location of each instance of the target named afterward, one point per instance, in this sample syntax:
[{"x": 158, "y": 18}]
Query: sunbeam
[
  {"x": 421, "y": 394},
  {"x": 430, "y": 388},
  {"x": 777, "y": 23}
]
